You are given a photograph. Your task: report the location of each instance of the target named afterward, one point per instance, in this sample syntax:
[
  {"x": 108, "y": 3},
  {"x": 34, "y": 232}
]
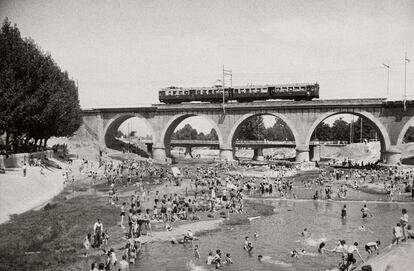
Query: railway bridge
[{"x": 389, "y": 118}]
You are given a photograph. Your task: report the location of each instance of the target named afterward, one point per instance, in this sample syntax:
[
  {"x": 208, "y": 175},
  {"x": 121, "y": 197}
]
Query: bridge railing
[{"x": 247, "y": 142}]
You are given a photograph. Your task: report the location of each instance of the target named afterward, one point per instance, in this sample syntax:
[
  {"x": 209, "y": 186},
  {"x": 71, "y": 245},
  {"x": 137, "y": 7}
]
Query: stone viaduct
[{"x": 389, "y": 119}]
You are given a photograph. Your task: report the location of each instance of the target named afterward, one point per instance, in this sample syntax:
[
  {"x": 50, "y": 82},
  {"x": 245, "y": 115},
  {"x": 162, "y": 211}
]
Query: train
[{"x": 248, "y": 93}]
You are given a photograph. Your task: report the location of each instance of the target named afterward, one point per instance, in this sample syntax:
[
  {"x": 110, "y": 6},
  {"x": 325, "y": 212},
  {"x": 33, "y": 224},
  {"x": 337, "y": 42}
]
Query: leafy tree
[
  {"x": 340, "y": 130},
  {"x": 40, "y": 101},
  {"x": 322, "y": 132},
  {"x": 252, "y": 129}
]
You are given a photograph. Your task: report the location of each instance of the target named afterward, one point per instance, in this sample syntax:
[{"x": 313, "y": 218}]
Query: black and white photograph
[{"x": 201, "y": 135}]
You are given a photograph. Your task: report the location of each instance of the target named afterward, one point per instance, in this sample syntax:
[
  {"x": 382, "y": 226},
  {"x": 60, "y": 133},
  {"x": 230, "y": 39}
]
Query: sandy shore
[
  {"x": 393, "y": 258},
  {"x": 180, "y": 231},
  {"x": 19, "y": 194}
]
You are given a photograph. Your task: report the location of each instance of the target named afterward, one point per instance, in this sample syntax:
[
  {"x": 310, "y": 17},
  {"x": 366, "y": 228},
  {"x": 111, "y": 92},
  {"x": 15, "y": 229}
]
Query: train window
[
  {"x": 180, "y": 92},
  {"x": 186, "y": 92},
  {"x": 253, "y": 90},
  {"x": 247, "y": 90},
  {"x": 242, "y": 90},
  {"x": 210, "y": 91},
  {"x": 236, "y": 90},
  {"x": 302, "y": 88},
  {"x": 198, "y": 91},
  {"x": 204, "y": 91},
  {"x": 284, "y": 89},
  {"x": 174, "y": 92},
  {"x": 290, "y": 88},
  {"x": 277, "y": 89},
  {"x": 296, "y": 88}
]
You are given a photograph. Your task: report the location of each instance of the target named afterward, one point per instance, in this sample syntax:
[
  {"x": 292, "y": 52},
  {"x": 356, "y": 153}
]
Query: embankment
[
  {"x": 393, "y": 258},
  {"x": 19, "y": 194}
]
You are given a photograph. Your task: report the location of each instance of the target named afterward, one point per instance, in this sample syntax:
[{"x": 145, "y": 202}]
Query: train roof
[{"x": 244, "y": 86}]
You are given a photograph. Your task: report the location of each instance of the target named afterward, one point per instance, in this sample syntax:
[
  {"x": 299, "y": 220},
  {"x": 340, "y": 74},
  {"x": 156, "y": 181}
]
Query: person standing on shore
[
  {"x": 87, "y": 244},
  {"x": 404, "y": 224},
  {"x": 24, "y": 170},
  {"x": 97, "y": 231},
  {"x": 123, "y": 214}
]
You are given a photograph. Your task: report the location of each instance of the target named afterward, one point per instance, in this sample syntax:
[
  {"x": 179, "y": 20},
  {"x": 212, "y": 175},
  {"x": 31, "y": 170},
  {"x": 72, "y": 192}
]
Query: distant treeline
[
  {"x": 38, "y": 99},
  {"x": 254, "y": 129}
]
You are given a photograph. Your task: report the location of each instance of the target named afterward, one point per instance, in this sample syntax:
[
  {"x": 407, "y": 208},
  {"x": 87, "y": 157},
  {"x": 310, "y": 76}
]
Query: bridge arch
[
  {"x": 231, "y": 140},
  {"x": 372, "y": 120},
  {"x": 173, "y": 122},
  {"x": 237, "y": 126},
  {"x": 112, "y": 127},
  {"x": 404, "y": 131}
]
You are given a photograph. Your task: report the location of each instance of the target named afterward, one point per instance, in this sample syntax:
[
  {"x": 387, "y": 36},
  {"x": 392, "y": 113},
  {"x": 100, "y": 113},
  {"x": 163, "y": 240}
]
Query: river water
[{"x": 279, "y": 234}]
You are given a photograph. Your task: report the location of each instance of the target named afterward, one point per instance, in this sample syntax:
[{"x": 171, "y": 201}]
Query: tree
[
  {"x": 340, "y": 130},
  {"x": 368, "y": 132},
  {"x": 252, "y": 129},
  {"x": 40, "y": 101},
  {"x": 322, "y": 132}
]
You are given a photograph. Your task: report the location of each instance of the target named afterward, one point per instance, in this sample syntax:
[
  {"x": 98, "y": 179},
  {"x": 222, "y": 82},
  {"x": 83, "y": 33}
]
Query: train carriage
[{"x": 248, "y": 93}]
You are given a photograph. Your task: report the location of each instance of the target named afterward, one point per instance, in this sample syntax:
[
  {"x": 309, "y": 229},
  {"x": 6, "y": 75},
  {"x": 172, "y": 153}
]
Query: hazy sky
[{"x": 123, "y": 52}]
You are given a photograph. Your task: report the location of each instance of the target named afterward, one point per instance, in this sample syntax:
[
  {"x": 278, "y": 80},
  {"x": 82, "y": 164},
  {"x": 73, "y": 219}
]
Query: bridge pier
[
  {"x": 226, "y": 154},
  {"x": 392, "y": 156},
  {"x": 315, "y": 153},
  {"x": 302, "y": 153},
  {"x": 188, "y": 151},
  {"x": 158, "y": 153},
  {"x": 258, "y": 154}
]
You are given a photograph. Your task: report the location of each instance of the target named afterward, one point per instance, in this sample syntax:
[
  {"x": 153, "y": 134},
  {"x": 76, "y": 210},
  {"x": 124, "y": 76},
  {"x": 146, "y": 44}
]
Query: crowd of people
[{"x": 209, "y": 190}]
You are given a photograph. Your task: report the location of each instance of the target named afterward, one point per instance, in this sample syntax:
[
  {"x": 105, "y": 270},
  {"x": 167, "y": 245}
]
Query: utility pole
[
  {"x": 388, "y": 78},
  {"x": 406, "y": 60},
  {"x": 230, "y": 73},
  {"x": 361, "y": 130}
]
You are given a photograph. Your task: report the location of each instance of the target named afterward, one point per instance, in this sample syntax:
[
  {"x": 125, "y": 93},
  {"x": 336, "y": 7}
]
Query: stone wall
[{"x": 17, "y": 159}]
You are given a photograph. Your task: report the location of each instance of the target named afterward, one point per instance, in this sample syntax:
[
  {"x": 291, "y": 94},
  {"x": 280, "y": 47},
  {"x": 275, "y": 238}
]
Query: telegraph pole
[
  {"x": 388, "y": 78},
  {"x": 229, "y": 73},
  {"x": 406, "y": 60}
]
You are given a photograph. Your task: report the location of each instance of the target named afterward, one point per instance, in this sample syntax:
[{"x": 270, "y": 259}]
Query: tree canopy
[
  {"x": 38, "y": 99},
  {"x": 340, "y": 130},
  {"x": 254, "y": 129},
  {"x": 189, "y": 133}
]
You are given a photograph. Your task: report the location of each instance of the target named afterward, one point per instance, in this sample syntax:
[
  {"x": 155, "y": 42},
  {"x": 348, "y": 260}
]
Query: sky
[{"x": 122, "y": 52}]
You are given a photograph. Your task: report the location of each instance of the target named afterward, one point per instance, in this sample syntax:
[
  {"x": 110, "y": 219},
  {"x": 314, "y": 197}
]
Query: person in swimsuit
[
  {"x": 343, "y": 212},
  {"x": 122, "y": 214},
  {"x": 97, "y": 231},
  {"x": 365, "y": 211},
  {"x": 247, "y": 244},
  {"x": 372, "y": 245},
  {"x": 87, "y": 244},
  {"x": 196, "y": 252},
  {"x": 350, "y": 256}
]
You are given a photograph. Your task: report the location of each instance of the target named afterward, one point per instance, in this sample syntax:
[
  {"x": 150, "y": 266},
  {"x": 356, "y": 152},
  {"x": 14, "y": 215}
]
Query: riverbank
[
  {"x": 393, "y": 258},
  {"x": 19, "y": 194},
  {"x": 51, "y": 238}
]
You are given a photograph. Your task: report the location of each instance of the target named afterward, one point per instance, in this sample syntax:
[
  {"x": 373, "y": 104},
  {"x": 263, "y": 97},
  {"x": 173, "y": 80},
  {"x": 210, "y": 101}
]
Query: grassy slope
[{"x": 54, "y": 234}]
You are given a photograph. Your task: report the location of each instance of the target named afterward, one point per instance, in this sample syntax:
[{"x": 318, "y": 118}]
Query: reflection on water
[{"x": 279, "y": 234}]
